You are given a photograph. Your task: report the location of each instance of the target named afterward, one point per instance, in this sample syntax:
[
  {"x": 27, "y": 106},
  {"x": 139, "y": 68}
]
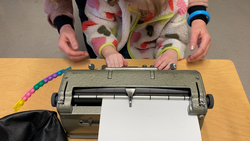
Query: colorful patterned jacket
[
  {"x": 117, "y": 25},
  {"x": 55, "y": 8}
]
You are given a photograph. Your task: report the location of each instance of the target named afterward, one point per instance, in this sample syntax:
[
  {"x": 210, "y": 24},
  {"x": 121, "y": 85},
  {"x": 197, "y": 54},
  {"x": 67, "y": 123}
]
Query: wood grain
[{"x": 229, "y": 120}]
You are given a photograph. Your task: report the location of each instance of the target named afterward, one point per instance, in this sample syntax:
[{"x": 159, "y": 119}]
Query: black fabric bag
[{"x": 37, "y": 125}]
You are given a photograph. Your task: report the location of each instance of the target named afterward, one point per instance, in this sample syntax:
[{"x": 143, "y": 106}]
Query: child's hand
[
  {"x": 164, "y": 61},
  {"x": 113, "y": 58}
]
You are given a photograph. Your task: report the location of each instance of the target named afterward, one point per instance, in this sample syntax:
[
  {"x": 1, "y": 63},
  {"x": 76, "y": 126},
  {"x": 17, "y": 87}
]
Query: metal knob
[
  {"x": 91, "y": 66},
  {"x": 104, "y": 67},
  {"x": 54, "y": 99},
  {"x": 173, "y": 66},
  {"x": 210, "y": 101}
]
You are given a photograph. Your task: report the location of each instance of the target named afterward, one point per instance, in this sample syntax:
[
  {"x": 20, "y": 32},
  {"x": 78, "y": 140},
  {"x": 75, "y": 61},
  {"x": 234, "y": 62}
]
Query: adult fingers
[
  {"x": 72, "y": 41},
  {"x": 72, "y": 54},
  {"x": 201, "y": 56},
  {"x": 66, "y": 49},
  {"x": 203, "y": 48},
  {"x": 68, "y": 34},
  {"x": 76, "y": 58},
  {"x": 198, "y": 28},
  {"x": 193, "y": 39}
]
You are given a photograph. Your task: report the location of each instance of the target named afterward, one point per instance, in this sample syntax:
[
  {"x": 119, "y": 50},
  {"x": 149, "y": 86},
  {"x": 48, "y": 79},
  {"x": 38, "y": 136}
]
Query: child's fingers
[
  {"x": 125, "y": 63},
  {"x": 120, "y": 62},
  {"x": 116, "y": 62},
  {"x": 112, "y": 61},
  {"x": 163, "y": 65},
  {"x": 109, "y": 63},
  {"x": 158, "y": 62},
  {"x": 167, "y": 67},
  {"x": 166, "y": 59},
  {"x": 161, "y": 62}
]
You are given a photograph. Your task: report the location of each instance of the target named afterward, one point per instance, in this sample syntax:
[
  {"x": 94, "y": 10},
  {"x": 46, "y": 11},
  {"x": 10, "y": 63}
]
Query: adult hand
[
  {"x": 68, "y": 44},
  {"x": 200, "y": 37},
  {"x": 164, "y": 61},
  {"x": 113, "y": 58}
]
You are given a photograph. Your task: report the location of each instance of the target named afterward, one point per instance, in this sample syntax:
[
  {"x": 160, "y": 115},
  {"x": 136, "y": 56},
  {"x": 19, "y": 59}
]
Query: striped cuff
[
  {"x": 61, "y": 21},
  {"x": 201, "y": 17}
]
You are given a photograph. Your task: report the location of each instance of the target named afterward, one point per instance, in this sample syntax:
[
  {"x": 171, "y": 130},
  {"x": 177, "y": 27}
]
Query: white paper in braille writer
[{"x": 147, "y": 120}]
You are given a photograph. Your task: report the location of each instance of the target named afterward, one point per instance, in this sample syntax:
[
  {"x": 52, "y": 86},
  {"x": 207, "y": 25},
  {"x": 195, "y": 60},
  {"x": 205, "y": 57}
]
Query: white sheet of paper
[{"x": 147, "y": 120}]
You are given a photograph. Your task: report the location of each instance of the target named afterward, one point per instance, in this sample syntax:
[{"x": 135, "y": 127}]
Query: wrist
[
  {"x": 66, "y": 27},
  {"x": 107, "y": 50},
  {"x": 171, "y": 51},
  {"x": 198, "y": 22}
]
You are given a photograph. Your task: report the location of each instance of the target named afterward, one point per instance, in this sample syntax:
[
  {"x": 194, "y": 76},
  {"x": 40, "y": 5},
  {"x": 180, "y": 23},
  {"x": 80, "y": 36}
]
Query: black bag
[{"x": 37, "y": 125}]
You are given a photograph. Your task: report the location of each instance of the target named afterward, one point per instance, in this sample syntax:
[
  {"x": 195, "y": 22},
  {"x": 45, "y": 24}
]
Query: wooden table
[{"x": 229, "y": 120}]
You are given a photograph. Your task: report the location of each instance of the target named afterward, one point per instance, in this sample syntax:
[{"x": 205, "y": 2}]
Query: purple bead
[
  {"x": 50, "y": 78},
  {"x": 54, "y": 75},
  {"x": 45, "y": 80}
]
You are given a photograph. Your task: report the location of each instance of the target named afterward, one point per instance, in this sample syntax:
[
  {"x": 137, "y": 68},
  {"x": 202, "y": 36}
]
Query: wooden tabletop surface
[{"x": 229, "y": 120}]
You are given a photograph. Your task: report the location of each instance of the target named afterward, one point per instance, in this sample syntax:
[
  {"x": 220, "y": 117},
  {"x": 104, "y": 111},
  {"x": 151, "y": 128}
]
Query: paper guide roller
[{"x": 93, "y": 96}]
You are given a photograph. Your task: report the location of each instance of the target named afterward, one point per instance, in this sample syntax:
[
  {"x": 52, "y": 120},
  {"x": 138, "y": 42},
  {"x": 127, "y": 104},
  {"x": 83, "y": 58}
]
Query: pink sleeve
[{"x": 54, "y": 8}]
